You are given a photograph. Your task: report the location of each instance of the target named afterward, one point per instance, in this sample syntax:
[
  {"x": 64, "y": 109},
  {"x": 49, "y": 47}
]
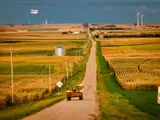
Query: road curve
[{"x": 76, "y": 109}]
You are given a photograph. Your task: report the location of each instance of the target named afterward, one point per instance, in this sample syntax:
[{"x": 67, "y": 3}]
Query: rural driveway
[{"x": 76, "y": 109}]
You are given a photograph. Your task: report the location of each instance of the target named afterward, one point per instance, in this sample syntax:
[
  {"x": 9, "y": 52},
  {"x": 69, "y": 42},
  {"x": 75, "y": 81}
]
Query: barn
[{"x": 60, "y": 50}]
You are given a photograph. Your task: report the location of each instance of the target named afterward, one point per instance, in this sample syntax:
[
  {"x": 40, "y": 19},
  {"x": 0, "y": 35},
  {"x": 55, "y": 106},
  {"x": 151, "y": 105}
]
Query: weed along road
[{"x": 86, "y": 109}]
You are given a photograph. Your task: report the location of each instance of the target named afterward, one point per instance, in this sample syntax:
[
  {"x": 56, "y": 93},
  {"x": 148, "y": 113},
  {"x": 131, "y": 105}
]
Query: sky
[{"x": 78, "y": 11}]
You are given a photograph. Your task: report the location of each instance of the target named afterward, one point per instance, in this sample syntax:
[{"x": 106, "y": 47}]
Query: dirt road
[{"x": 76, "y": 109}]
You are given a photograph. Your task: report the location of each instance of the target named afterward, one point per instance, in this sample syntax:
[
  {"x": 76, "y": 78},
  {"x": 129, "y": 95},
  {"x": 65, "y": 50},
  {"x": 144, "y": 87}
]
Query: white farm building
[{"x": 60, "y": 50}]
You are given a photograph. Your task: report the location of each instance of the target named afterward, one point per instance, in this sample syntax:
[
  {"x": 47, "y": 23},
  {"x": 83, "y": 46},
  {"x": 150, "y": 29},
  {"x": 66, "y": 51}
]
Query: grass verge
[{"x": 116, "y": 103}]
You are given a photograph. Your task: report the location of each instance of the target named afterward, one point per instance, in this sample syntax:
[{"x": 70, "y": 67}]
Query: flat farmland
[
  {"x": 127, "y": 32},
  {"x": 37, "y": 64},
  {"x": 31, "y": 76},
  {"x": 131, "y": 46},
  {"x": 135, "y": 61},
  {"x": 40, "y": 35},
  {"x": 33, "y": 53},
  {"x": 128, "y": 41},
  {"x": 40, "y": 47},
  {"x": 133, "y": 73}
]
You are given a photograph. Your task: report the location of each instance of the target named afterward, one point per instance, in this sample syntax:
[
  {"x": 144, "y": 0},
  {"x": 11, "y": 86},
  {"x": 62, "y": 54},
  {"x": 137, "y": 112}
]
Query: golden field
[
  {"x": 41, "y": 35},
  {"x": 135, "y": 61},
  {"x": 33, "y": 52}
]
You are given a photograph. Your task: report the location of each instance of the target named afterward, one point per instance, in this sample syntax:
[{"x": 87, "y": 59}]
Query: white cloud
[
  {"x": 145, "y": 9},
  {"x": 120, "y": 8},
  {"x": 142, "y": 9}
]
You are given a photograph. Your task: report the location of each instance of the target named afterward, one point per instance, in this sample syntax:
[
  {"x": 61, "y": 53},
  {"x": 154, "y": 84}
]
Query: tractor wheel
[
  {"x": 81, "y": 97},
  {"x": 68, "y": 98}
]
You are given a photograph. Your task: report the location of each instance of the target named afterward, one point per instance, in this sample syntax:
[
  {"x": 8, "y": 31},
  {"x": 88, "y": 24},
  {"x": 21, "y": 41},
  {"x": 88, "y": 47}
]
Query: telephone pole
[
  {"x": 12, "y": 82},
  {"x": 50, "y": 87},
  {"x": 66, "y": 70},
  {"x": 12, "y": 74},
  {"x": 70, "y": 67}
]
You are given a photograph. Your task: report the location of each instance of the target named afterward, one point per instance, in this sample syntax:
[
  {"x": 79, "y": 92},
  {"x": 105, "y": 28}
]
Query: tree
[{"x": 85, "y": 25}]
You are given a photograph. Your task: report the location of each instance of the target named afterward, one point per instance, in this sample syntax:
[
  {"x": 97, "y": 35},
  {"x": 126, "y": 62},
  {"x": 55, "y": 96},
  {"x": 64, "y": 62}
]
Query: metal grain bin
[{"x": 60, "y": 50}]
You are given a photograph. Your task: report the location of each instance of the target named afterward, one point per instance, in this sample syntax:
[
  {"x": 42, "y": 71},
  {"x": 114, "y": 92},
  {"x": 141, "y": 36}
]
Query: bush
[{"x": 3, "y": 102}]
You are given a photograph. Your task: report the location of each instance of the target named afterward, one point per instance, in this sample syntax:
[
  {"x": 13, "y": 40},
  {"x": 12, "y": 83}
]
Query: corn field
[
  {"x": 136, "y": 73},
  {"x": 27, "y": 88}
]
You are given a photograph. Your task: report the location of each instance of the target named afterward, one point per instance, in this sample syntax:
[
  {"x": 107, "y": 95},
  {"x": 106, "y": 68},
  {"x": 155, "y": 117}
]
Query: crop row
[
  {"x": 136, "y": 80},
  {"x": 26, "y": 89},
  {"x": 120, "y": 62},
  {"x": 136, "y": 73}
]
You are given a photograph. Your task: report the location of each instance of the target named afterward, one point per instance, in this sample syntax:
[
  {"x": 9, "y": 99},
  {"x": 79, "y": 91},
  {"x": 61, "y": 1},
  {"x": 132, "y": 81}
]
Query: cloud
[
  {"x": 145, "y": 9},
  {"x": 33, "y": 2},
  {"x": 120, "y": 8},
  {"x": 57, "y": 2},
  {"x": 142, "y": 9}
]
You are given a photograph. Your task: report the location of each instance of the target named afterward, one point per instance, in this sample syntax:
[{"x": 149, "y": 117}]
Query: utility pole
[
  {"x": 79, "y": 53},
  {"x": 76, "y": 56},
  {"x": 63, "y": 67},
  {"x": 71, "y": 67},
  {"x": 12, "y": 74},
  {"x": 66, "y": 70},
  {"x": 50, "y": 87},
  {"x": 12, "y": 82},
  {"x": 82, "y": 52}
]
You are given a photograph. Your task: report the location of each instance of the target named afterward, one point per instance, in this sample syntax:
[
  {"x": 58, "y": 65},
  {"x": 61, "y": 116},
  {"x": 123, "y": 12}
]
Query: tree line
[{"x": 128, "y": 36}]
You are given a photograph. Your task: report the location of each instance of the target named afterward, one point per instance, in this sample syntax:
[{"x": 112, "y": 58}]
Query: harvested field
[
  {"x": 40, "y": 59},
  {"x": 135, "y": 62},
  {"x": 41, "y": 35},
  {"x": 131, "y": 47},
  {"x": 110, "y": 42},
  {"x": 133, "y": 74},
  {"x": 128, "y": 32}
]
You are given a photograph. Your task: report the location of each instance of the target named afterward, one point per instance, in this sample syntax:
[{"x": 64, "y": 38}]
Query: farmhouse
[
  {"x": 76, "y": 32},
  {"x": 60, "y": 50}
]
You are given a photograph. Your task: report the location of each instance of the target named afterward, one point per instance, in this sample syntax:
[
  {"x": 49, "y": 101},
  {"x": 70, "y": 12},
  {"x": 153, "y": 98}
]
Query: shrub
[{"x": 3, "y": 102}]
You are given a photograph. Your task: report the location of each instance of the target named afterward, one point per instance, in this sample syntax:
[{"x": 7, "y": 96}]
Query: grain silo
[{"x": 60, "y": 50}]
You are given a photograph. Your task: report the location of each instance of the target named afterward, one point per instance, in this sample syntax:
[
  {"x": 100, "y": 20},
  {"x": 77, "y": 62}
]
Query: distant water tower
[{"x": 60, "y": 50}]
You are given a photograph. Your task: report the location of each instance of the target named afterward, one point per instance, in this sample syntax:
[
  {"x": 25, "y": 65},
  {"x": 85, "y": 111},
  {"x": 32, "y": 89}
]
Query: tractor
[{"x": 75, "y": 92}]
